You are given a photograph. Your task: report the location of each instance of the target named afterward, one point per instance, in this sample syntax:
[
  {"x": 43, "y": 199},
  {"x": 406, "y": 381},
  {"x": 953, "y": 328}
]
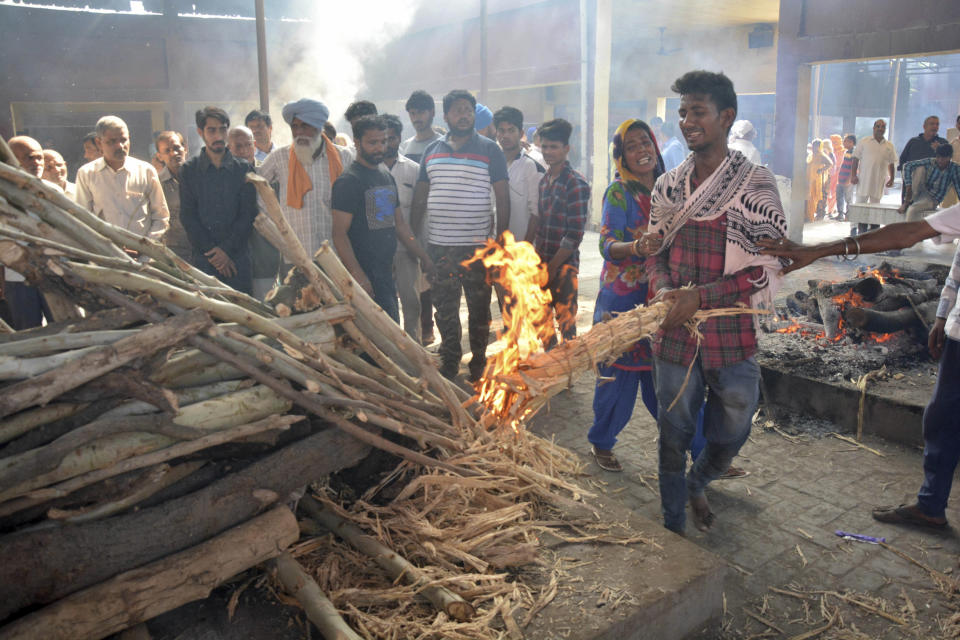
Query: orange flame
[{"x": 527, "y": 316}]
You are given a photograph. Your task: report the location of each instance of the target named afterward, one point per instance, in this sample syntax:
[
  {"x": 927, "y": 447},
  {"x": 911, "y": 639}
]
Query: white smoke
[{"x": 323, "y": 56}]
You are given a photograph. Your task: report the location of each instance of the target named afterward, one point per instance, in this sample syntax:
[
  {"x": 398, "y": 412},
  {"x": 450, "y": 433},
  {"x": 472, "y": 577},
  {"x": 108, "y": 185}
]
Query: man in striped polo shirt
[{"x": 453, "y": 191}]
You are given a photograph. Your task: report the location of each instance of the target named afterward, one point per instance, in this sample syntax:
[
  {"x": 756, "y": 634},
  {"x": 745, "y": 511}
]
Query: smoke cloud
[{"x": 323, "y": 55}]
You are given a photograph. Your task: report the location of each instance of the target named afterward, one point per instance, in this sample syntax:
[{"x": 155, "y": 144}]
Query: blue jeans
[
  {"x": 732, "y": 396},
  {"x": 941, "y": 434},
  {"x": 613, "y": 402}
]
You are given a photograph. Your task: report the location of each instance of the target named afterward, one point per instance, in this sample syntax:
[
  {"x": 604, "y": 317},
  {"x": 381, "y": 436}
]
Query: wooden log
[
  {"x": 274, "y": 423},
  {"x": 185, "y": 397},
  {"x": 46, "y": 387},
  {"x": 892, "y": 321},
  {"x": 126, "y": 382},
  {"x": 829, "y": 312},
  {"x": 62, "y": 309},
  {"x": 39, "y": 567},
  {"x": 318, "y": 607},
  {"x": 50, "y": 431},
  {"x": 153, "y": 480},
  {"x": 145, "y": 592},
  {"x": 868, "y": 288},
  {"x": 109, "y": 440},
  {"x": 104, "y": 320},
  {"x": 24, "y": 421},
  {"x": 390, "y": 561},
  {"x": 29, "y": 193},
  {"x": 44, "y": 345},
  {"x": 12, "y": 368},
  {"x": 219, "y": 309}
]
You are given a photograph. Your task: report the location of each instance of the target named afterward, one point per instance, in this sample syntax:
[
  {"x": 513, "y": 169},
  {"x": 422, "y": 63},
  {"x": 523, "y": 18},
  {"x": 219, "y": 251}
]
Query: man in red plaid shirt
[
  {"x": 709, "y": 213},
  {"x": 563, "y": 208}
]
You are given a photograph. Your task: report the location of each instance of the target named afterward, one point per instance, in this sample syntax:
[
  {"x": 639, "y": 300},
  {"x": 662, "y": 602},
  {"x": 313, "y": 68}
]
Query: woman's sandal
[{"x": 606, "y": 460}]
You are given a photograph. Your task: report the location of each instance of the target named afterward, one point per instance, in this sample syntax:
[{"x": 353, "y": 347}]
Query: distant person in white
[
  {"x": 874, "y": 165},
  {"x": 742, "y": 135},
  {"x": 122, "y": 190}
]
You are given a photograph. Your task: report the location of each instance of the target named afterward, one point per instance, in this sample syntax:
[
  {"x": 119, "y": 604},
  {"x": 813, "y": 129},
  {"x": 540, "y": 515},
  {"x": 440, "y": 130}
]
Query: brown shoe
[
  {"x": 606, "y": 460},
  {"x": 909, "y": 515},
  {"x": 733, "y": 473}
]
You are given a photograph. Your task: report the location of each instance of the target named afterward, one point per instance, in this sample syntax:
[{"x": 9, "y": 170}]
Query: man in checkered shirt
[{"x": 709, "y": 213}]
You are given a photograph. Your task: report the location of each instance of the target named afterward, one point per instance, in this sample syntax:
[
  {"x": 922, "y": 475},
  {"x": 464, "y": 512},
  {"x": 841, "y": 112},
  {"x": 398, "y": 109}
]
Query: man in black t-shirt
[{"x": 367, "y": 221}]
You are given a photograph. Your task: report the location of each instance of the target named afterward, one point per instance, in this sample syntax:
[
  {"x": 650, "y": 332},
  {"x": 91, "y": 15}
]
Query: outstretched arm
[{"x": 899, "y": 235}]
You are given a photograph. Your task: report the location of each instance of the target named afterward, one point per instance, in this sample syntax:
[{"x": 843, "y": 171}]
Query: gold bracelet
[{"x": 636, "y": 248}]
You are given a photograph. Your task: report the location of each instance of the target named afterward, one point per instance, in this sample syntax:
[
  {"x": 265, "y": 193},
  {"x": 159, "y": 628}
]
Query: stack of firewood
[{"x": 153, "y": 434}]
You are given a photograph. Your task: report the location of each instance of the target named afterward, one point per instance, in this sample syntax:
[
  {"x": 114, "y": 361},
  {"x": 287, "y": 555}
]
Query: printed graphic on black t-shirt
[{"x": 381, "y": 207}]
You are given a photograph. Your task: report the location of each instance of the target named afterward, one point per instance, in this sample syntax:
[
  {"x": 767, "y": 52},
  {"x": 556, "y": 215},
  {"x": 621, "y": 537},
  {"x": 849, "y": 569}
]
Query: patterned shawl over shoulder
[{"x": 747, "y": 194}]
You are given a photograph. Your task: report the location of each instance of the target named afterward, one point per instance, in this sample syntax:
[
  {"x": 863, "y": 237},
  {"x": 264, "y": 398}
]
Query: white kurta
[{"x": 874, "y": 170}]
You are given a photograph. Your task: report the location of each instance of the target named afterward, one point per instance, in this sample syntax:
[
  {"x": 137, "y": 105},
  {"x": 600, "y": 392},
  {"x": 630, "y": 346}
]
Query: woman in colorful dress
[{"x": 623, "y": 284}]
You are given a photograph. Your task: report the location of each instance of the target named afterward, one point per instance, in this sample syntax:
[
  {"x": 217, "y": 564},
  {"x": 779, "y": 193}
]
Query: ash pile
[{"x": 843, "y": 330}]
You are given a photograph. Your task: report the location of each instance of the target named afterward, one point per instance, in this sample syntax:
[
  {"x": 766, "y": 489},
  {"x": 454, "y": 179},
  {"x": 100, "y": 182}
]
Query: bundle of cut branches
[{"x": 513, "y": 392}]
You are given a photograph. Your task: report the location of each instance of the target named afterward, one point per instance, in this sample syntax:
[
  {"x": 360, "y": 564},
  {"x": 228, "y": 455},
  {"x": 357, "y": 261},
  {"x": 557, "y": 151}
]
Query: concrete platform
[
  {"x": 893, "y": 416},
  {"x": 874, "y": 213},
  {"x": 633, "y": 592}
]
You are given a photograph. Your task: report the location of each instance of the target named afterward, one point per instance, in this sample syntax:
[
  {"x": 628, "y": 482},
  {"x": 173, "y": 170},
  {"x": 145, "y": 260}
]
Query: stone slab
[{"x": 633, "y": 592}]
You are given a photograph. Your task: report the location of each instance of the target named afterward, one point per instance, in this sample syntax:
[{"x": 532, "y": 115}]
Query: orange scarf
[{"x": 298, "y": 181}]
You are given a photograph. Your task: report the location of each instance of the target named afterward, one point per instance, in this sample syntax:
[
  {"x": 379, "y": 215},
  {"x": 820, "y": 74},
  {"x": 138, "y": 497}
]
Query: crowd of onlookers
[
  {"x": 842, "y": 170},
  {"x": 367, "y": 196}
]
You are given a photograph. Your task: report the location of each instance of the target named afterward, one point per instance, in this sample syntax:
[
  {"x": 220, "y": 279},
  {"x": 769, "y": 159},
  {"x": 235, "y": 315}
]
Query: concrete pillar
[
  {"x": 179, "y": 120},
  {"x": 798, "y": 192},
  {"x": 601, "y": 107}
]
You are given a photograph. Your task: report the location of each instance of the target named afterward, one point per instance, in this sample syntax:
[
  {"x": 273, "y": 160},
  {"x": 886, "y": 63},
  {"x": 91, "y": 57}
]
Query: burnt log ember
[
  {"x": 868, "y": 288},
  {"x": 906, "y": 318}
]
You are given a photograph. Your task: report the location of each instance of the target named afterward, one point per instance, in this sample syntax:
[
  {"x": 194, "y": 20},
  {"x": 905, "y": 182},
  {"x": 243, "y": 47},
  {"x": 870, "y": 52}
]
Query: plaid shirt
[
  {"x": 563, "y": 206},
  {"x": 697, "y": 256},
  {"x": 938, "y": 180}
]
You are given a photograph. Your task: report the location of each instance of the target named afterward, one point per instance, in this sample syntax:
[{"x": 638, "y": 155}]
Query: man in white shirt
[
  {"x": 26, "y": 305},
  {"x": 941, "y": 429},
  {"x": 304, "y": 173},
  {"x": 410, "y": 279},
  {"x": 523, "y": 174},
  {"x": 122, "y": 190},
  {"x": 874, "y": 161}
]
